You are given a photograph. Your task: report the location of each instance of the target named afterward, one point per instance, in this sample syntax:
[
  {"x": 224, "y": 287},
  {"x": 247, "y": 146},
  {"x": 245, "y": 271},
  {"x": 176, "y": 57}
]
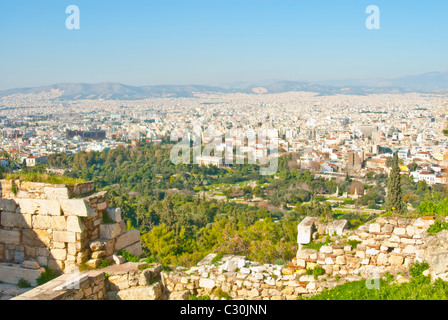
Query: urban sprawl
[{"x": 329, "y": 134}]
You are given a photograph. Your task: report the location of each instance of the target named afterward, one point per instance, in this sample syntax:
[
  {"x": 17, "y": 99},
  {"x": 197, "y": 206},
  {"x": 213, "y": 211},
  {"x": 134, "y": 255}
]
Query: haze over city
[{"x": 214, "y": 43}]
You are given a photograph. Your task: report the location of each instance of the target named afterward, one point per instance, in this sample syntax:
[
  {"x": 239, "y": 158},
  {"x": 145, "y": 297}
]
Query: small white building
[{"x": 209, "y": 160}]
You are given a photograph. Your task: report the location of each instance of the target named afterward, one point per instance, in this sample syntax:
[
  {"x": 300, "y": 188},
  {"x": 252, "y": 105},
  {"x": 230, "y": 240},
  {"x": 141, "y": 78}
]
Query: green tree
[{"x": 394, "y": 198}]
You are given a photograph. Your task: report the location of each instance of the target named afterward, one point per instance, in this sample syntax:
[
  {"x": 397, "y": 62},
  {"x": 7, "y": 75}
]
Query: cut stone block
[
  {"x": 15, "y": 220},
  {"x": 374, "y": 227},
  {"x": 13, "y": 273},
  {"x": 58, "y": 254},
  {"x": 36, "y": 238},
  {"x": 10, "y": 237},
  {"x": 127, "y": 238},
  {"x": 30, "y": 265},
  {"x": 56, "y": 193},
  {"x": 114, "y": 214},
  {"x": 134, "y": 249},
  {"x": 207, "y": 283},
  {"x": 110, "y": 231},
  {"x": 75, "y": 224},
  {"x": 77, "y": 207},
  {"x": 118, "y": 259},
  {"x": 337, "y": 227},
  {"x": 305, "y": 230},
  {"x": 64, "y": 236},
  {"x": 39, "y": 206},
  {"x": 207, "y": 260},
  {"x": 8, "y": 205},
  {"x": 49, "y": 222},
  {"x": 97, "y": 245}
]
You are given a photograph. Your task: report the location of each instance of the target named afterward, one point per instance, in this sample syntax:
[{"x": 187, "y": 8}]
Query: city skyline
[{"x": 149, "y": 43}]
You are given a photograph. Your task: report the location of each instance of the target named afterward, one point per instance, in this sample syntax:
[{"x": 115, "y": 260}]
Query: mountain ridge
[{"x": 430, "y": 82}]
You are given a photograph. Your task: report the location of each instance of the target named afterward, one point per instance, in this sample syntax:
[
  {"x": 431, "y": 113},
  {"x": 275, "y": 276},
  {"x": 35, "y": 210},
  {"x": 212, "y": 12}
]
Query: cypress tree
[{"x": 394, "y": 199}]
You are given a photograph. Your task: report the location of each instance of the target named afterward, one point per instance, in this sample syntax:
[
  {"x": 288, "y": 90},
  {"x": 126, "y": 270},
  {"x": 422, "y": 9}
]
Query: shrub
[
  {"x": 106, "y": 219},
  {"x": 23, "y": 283},
  {"x": 318, "y": 271},
  {"x": 416, "y": 269},
  {"x": 419, "y": 288},
  {"x": 217, "y": 258},
  {"x": 42, "y": 177},
  {"x": 14, "y": 188},
  {"x": 280, "y": 262},
  {"x": 438, "y": 226},
  {"x": 193, "y": 297},
  {"x": 354, "y": 243},
  {"x": 104, "y": 263},
  {"x": 46, "y": 276},
  {"x": 222, "y": 295},
  {"x": 128, "y": 256}
]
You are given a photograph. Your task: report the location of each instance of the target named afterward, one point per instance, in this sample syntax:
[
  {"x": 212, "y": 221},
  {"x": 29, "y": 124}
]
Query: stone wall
[
  {"x": 16, "y": 189},
  {"x": 86, "y": 286},
  {"x": 388, "y": 244},
  {"x": 60, "y": 226},
  {"x": 128, "y": 281}
]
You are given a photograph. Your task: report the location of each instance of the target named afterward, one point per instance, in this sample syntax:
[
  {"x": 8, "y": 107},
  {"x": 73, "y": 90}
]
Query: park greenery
[{"x": 186, "y": 211}]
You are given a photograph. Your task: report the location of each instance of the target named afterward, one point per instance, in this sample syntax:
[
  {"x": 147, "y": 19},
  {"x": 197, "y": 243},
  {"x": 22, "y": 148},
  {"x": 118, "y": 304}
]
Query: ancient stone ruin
[
  {"x": 57, "y": 226},
  {"x": 62, "y": 226}
]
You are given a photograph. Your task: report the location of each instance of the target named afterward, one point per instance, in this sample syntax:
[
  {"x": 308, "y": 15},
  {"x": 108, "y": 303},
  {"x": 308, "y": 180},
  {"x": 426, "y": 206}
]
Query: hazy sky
[{"x": 140, "y": 42}]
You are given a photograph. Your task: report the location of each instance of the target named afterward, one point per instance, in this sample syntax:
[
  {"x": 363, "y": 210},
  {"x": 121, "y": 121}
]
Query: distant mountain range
[{"x": 433, "y": 82}]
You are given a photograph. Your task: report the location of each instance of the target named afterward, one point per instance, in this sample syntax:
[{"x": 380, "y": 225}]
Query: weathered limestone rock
[
  {"x": 15, "y": 220},
  {"x": 30, "y": 265},
  {"x": 98, "y": 254},
  {"x": 93, "y": 263},
  {"x": 134, "y": 249},
  {"x": 180, "y": 295},
  {"x": 77, "y": 207},
  {"x": 207, "y": 283},
  {"x": 58, "y": 254},
  {"x": 39, "y": 206},
  {"x": 97, "y": 245},
  {"x": 36, "y": 238},
  {"x": 49, "y": 222},
  {"x": 114, "y": 214},
  {"x": 374, "y": 227},
  {"x": 118, "y": 259},
  {"x": 9, "y": 237},
  {"x": 400, "y": 231},
  {"x": 110, "y": 231},
  {"x": 207, "y": 260},
  {"x": 64, "y": 236},
  {"x": 338, "y": 227},
  {"x": 305, "y": 230},
  {"x": 127, "y": 239},
  {"x": 437, "y": 252},
  {"x": 326, "y": 249},
  {"x": 234, "y": 263},
  {"x": 153, "y": 292},
  {"x": 396, "y": 260},
  {"x": 12, "y": 274},
  {"x": 75, "y": 224},
  {"x": 56, "y": 193},
  {"x": 8, "y": 205}
]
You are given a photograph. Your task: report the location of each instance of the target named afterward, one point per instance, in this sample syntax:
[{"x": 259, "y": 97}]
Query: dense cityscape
[
  {"x": 235, "y": 151},
  {"x": 331, "y": 134}
]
